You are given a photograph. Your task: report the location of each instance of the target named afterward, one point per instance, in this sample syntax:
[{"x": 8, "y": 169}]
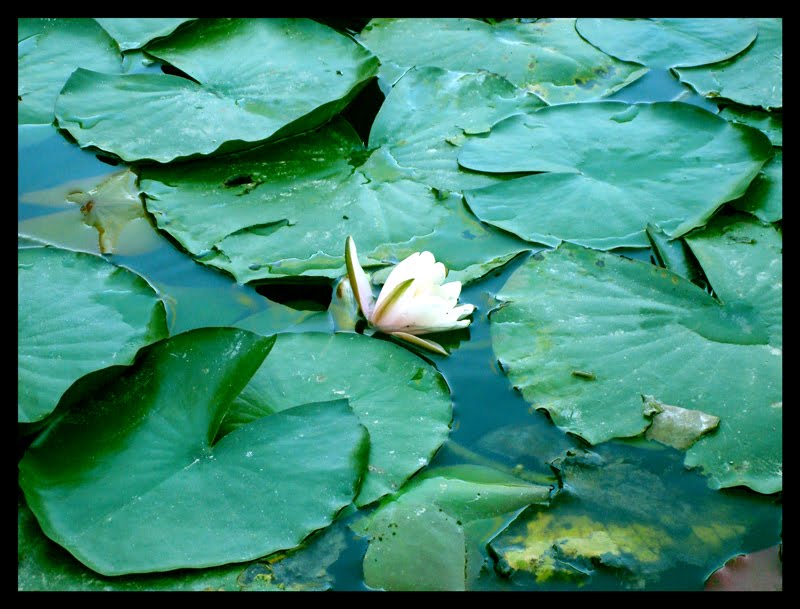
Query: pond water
[{"x": 492, "y": 423}]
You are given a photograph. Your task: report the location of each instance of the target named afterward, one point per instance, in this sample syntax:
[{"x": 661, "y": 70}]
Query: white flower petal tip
[
  {"x": 414, "y": 299},
  {"x": 359, "y": 282},
  {"x": 426, "y": 343}
]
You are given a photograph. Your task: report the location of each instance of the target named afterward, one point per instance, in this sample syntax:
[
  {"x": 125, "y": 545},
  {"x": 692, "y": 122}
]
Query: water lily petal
[
  {"x": 421, "y": 266},
  {"x": 421, "y": 315},
  {"x": 426, "y": 343},
  {"x": 388, "y": 305},
  {"x": 359, "y": 282}
]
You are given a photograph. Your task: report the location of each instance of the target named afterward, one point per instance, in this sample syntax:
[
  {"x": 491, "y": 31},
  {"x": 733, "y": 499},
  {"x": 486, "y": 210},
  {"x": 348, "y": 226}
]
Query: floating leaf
[
  {"x": 584, "y": 334},
  {"x": 285, "y": 210},
  {"x": 134, "y": 33},
  {"x": 764, "y": 197},
  {"x": 545, "y": 56},
  {"x": 752, "y": 78},
  {"x": 431, "y": 535},
  {"x": 402, "y": 400},
  {"x": 675, "y": 255},
  {"x": 249, "y": 80},
  {"x": 77, "y": 313},
  {"x": 118, "y": 480},
  {"x": 430, "y": 113},
  {"x": 770, "y": 123},
  {"x": 666, "y": 43},
  {"x": 44, "y": 566},
  {"x": 667, "y": 163},
  {"x": 49, "y": 50}
]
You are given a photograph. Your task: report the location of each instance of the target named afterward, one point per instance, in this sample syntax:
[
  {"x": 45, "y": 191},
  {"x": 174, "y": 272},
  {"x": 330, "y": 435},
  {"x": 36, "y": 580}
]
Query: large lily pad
[
  {"x": 249, "y": 80},
  {"x": 285, "y": 210},
  {"x": 585, "y": 334},
  {"x": 764, "y": 197},
  {"x": 770, "y": 123},
  {"x": 432, "y": 535},
  {"x": 752, "y": 78},
  {"x": 48, "y": 52},
  {"x": 120, "y": 478},
  {"x": 672, "y": 42},
  {"x": 629, "y": 520},
  {"x": 402, "y": 400},
  {"x": 430, "y": 113},
  {"x": 545, "y": 56},
  {"x": 77, "y": 313},
  {"x": 667, "y": 163},
  {"x": 134, "y": 33}
]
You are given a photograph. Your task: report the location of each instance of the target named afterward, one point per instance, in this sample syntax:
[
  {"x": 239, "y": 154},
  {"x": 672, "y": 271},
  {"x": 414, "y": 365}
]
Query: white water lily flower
[{"x": 413, "y": 301}]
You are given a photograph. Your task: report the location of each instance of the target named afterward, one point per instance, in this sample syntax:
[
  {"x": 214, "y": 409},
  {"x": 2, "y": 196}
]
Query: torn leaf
[{"x": 675, "y": 426}]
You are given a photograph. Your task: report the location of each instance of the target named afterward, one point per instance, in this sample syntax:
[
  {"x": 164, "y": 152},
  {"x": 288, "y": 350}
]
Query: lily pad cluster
[{"x": 226, "y": 453}]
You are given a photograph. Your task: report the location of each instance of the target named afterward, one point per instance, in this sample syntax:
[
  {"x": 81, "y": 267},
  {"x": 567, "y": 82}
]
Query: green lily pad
[
  {"x": 118, "y": 480},
  {"x": 752, "y": 78},
  {"x": 764, "y": 197},
  {"x": 285, "y": 210},
  {"x": 249, "y": 81},
  {"x": 770, "y": 123},
  {"x": 431, "y": 536},
  {"x": 44, "y": 566},
  {"x": 134, "y": 33},
  {"x": 675, "y": 255},
  {"x": 545, "y": 56},
  {"x": 402, "y": 400},
  {"x": 77, "y": 313},
  {"x": 584, "y": 334},
  {"x": 49, "y": 50},
  {"x": 667, "y": 163},
  {"x": 632, "y": 523},
  {"x": 430, "y": 113},
  {"x": 667, "y": 43}
]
